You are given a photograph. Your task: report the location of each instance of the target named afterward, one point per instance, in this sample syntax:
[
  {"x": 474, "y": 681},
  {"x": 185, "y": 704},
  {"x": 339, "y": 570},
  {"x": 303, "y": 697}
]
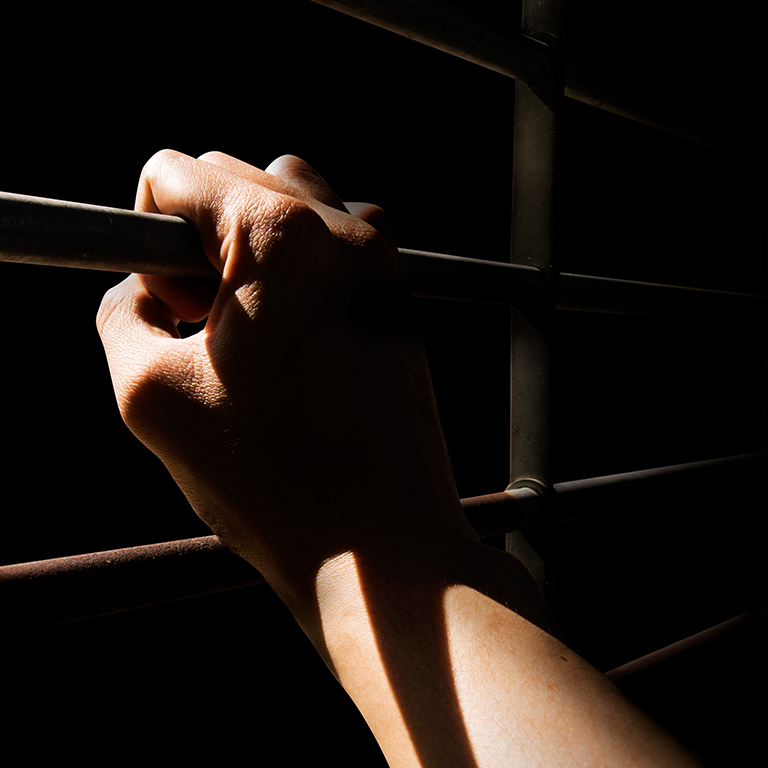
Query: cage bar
[
  {"x": 696, "y": 481},
  {"x": 456, "y": 32},
  {"x": 67, "y": 589},
  {"x": 520, "y": 56},
  {"x": 535, "y": 193},
  {"x": 36, "y": 230},
  {"x": 58, "y": 233}
]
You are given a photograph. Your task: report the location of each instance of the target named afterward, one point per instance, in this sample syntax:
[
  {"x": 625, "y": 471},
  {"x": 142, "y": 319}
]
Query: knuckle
[
  {"x": 105, "y": 310},
  {"x": 212, "y": 156},
  {"x": 287, "y": 220},
  {"x": 370, "y": 241},
  {"x": 376, "y": 217},
  {"x": 143, "y": 401},
  {"x": 110, "y": 303},
  {"x": 161, "y": 159},
  {"x": 152, "y": 388},
  {"x": 288, "y": 159},
  {"x": 287, "y": 164}
]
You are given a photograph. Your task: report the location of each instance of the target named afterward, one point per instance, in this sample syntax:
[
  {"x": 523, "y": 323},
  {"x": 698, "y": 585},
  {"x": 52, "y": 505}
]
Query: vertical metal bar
[
  {"x": 763, "y": 320},
  {"x": 538, "y": 116}
]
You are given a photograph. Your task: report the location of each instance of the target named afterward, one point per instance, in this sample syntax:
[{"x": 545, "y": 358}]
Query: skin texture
[{"x": 300, "y": 423}]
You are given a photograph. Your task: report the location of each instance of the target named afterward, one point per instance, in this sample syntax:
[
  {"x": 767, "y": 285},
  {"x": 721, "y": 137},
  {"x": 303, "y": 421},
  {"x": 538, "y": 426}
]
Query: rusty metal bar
[
  {"x": 706, "y": 688},
  {"x": 521, "y": 56},
  {"x": 67, "y": 589},
  {"x": 652, "y": 667},
  {"x": 63, "y": 590}
]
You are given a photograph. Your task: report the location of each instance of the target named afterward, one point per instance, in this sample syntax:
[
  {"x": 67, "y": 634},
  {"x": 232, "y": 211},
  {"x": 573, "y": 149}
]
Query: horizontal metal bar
[
  {"x": 652, "y": 668},
  {"x": 58, "y": 233},
  {"x": 454, "y": 31},
  {"x": 67, "y": 589},
  {"x": 587, "y": 293},
  {"x": 36, "y": 230},
  {"x": 497, "y": 513},
  {"x": 581, "y": 499},
  {"x": 441, "y": 276},
  {"x": 470, "y": 37},
  {"x": 62, "y": 590},
  {"x": 589, "y": 84}
]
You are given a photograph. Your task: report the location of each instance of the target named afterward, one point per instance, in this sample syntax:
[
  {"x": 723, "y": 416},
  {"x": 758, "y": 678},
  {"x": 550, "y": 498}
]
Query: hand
[
  {"x": 300, "y": 422},
  {"x": 301, "y": 425}
]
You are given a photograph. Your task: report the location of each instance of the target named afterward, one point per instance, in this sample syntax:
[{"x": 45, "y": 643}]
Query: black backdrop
[{"x": 87, "y": 100}]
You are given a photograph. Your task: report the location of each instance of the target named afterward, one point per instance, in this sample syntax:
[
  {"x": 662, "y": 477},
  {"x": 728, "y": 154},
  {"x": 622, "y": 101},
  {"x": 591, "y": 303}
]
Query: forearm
[{"x": 449, "y": 663}]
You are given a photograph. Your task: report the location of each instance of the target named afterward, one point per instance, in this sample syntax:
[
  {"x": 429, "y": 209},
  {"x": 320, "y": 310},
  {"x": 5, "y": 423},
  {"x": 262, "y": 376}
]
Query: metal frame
[{"x": 91, "y": 237}]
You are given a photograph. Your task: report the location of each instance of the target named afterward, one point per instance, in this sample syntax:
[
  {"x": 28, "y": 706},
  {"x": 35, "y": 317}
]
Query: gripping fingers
[
  {"x": 233, "y": 206},
  {"x": 305, "y": 180},
  {"x": 375, "y": 217},
  {"x": 288, "y": 174}
]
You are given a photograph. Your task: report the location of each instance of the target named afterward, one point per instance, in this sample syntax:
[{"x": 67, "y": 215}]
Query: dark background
[{"x": 87, "y": 101}]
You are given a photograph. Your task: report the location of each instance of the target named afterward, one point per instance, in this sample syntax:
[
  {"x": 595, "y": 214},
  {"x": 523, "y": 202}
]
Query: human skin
[{"x": 301, "y": 425}]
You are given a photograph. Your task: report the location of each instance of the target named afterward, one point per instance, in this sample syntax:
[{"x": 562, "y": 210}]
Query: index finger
[{"x": 217, "y": 201}]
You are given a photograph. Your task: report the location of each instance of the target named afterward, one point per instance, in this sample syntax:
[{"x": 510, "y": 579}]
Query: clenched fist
[{"x": 300, "y": 421}]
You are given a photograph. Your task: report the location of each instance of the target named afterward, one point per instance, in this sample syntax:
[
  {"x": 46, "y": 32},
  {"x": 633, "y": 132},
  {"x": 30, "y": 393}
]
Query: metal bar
[
  {"x": 592, "y": 85},
  {"x": 535, "y": 243},
  {"x": 499, "y": 513},
  {"x": 586, "y": 293},
  {"x": 457, "y": 278},
  {"x": 454, "y": 31},
  {"x": 37, "y": 230},
  {"x": 467, "y": 36},
  {"x": 62, "y": 590},
  {"x": 580, "y": 499},
  {"x": 67, "y": 589},
  {"x": 440, "y": 276},
  {"x": 764, "y": 326},
  {"x": 58, "y": 233},
  {"x": 654, "y": 665},
  {"x": 706, "y": 688}
]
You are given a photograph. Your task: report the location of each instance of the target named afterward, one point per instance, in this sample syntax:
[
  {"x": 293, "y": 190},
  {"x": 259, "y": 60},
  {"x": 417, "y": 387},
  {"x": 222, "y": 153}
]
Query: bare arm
[
  {"x": 452, "y": 672},
  {"x": 301, "y": 425}
]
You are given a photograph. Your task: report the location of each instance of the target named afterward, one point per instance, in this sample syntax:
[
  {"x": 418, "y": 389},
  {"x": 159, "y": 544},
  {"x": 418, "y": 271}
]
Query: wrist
[
  {"x": 389, "y": 534},
  {"x": 381, "y": 623},
  {"x": 377, "y": 573}
]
